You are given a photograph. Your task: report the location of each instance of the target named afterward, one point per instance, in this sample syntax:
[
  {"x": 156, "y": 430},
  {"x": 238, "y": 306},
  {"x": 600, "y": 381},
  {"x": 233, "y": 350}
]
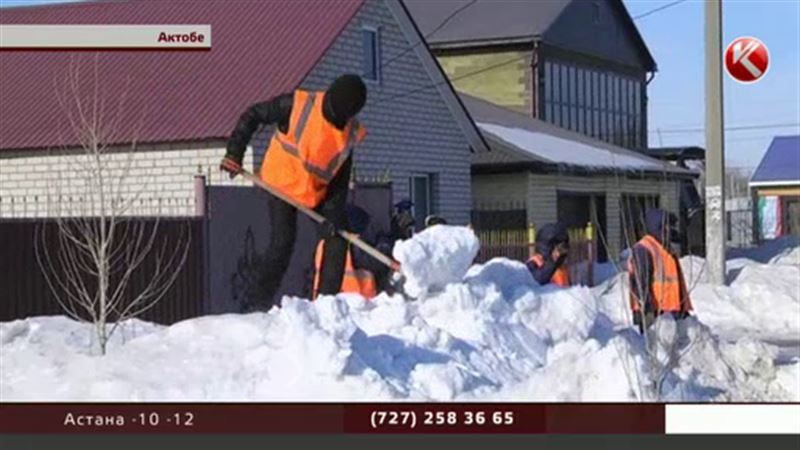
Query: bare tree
[{"x": 99, "y": 246}]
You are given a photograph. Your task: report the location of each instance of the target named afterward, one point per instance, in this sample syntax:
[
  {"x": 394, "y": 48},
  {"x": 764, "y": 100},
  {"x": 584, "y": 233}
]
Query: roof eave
[
  {"x": 774, "y": 183},
  {"x": 542, "y": 167},
  {"x": 481, "y": 43}
]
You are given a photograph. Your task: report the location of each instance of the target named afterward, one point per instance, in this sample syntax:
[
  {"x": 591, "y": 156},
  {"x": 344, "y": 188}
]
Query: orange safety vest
[
  {"x": 301, "y": 162},
  {"x": 668, "y": 291},
  {"x": 560, "y": 276},
  {"x": 356, "y": 281}
]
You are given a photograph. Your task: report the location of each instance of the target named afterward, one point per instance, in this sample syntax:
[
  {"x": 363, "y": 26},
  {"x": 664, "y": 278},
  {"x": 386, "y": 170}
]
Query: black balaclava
[
  {"x": 549, "y": 236},
  {"x": 344, "y": 99},
  {"x": 661, "y": 225}
]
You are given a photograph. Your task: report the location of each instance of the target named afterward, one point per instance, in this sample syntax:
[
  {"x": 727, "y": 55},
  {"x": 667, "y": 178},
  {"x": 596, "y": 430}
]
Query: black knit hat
[{"x": 346, "y": 96}]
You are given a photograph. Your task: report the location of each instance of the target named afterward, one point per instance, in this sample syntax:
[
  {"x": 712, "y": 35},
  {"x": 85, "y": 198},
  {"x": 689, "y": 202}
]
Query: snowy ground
[{"x": 489, "y": 334}]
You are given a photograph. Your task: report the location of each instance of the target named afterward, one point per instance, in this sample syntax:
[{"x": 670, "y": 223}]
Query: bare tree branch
[{"x": 98, "y": 248}]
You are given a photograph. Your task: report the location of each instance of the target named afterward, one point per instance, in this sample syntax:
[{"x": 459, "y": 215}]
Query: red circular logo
[{"x": 746, "y": 59}]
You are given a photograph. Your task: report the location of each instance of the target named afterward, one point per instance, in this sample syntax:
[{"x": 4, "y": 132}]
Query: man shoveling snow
[{"x": 307, "y": 166}]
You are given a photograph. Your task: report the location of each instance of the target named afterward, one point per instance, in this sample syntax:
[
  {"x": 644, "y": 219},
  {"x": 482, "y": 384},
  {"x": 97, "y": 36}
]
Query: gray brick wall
[{"x": 412, "y": 134}]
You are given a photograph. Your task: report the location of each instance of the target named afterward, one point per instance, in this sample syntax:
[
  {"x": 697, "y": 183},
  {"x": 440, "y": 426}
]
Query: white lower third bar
[
  {"x": 733, "y": 419},
  {"x": 110, "y": 37}
]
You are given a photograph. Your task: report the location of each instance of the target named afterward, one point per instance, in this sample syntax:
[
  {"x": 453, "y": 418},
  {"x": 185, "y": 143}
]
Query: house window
[
  {"x": 637, "y": 110},
  {"x": 370, "y": 38},
  {"x": 420, "y": 187},
  {"x": 555, "y": 87},
  {"x": 548, "y": 94},
  {"x": 624, "y": 112},
  {"x": 596, "y": 13},
  {"x": 581, "y": 103},
  {"x": 573, "y": 99},
  {"x": 564, "y": 96}
]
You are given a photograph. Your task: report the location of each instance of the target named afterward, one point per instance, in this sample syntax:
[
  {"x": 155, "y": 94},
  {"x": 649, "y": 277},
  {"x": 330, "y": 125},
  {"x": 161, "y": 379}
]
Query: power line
[
  {"x": 764, "y": 126},
  {"x": 466, "y": 75},
  {"x": 660, "y": 8},
  {"x": 493, "y": 66},
  {"x": 430, "y": 33}
]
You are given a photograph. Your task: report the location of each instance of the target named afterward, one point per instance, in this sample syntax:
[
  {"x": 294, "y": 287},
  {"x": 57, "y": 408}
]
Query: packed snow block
[{"x": 437, "y": 256}]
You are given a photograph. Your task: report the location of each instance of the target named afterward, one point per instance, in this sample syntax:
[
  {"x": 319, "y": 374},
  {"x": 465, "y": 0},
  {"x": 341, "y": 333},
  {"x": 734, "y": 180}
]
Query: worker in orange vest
[
  {"x": 361, "y": 271},
  {"x": 547, "y": 265},
  {"x": 656, "y": 280},
  {"x": 309, "y": 158}
]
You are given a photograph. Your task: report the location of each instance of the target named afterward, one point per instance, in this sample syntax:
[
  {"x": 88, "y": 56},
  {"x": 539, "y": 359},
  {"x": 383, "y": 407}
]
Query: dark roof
[
  {"x": 520, "y": 142},
  {"x": 490, "y": 22},
  {"x": 676, "y": 153},
  {"x": 259, "y": 49},
  {"x": 485, "y": 20},
  {"x": 781, "y": 162}
]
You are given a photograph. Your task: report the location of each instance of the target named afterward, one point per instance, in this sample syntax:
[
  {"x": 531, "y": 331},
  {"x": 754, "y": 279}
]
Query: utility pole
[{"x": 715, "y": 145}]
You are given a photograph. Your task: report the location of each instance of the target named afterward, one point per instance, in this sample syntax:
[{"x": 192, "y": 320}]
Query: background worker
[
  {"x": 547, "y": 265},
  {"x": 403, "y": 221},
  {"x": 362, "y": 272},
  {"x": 656, "y": 281},
  {"x": 309, "y": 159}
]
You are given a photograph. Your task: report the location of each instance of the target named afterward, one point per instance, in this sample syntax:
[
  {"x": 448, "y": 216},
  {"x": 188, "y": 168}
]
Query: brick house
[
  {"x": 182, "y": 106},
  {"x": 579, "y": 64}
]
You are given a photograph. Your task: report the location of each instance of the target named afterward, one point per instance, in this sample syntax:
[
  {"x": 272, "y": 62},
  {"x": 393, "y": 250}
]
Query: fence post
[
  {"x": 200, "y": 195},
  {"x": 591, "y": 252},
  {"x": 531, "y": 239}
]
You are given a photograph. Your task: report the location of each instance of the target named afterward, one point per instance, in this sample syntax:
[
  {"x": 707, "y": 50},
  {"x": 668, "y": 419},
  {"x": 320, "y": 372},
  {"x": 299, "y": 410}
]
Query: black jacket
[{"x": 276, "y": 111}]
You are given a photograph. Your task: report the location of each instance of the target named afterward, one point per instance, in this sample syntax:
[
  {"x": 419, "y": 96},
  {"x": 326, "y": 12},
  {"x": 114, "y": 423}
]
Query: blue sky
[{"x": 675, "y": 38}]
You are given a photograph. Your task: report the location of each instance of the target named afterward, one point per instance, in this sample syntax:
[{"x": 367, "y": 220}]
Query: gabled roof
[
  {"x": 780, "y": 164},
  {"x": 260, "y": 49},
  {"x": 520, "y": 142},
  {"x": 464, "y": 23}
]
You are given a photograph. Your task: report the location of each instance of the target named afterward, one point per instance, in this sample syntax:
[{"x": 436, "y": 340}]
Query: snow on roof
[
  {"x": 523, "y": 139},
  {"x": 781, "y": 162},
  {"x": 557, "y": 150}
]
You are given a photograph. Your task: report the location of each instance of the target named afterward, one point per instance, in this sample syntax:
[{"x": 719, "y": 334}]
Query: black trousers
[{"x": 283, "y": 233}]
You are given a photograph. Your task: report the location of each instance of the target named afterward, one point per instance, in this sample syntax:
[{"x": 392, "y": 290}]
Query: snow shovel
[{"x": 317, "y": 217}]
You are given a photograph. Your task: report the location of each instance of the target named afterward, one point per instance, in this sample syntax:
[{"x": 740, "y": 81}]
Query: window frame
[
  {"x": 429, "y": 178},
  {"x": 377, "y": 54}
]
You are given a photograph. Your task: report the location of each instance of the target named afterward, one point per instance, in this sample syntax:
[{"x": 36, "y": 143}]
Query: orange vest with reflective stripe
[
  {"x": 301, "y": 162},
  {"x": 355, "y": 281},
  {"x": 668, "y": 291},
  {"x": 560, "y": 276}
]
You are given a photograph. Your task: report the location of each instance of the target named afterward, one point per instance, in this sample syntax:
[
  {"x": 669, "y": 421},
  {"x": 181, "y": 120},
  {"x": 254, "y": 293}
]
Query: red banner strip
[{"x": 527, "y": 418}]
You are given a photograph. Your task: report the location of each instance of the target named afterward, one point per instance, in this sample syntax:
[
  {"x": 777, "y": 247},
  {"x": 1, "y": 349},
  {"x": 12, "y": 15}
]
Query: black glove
[
  {"x": 232, "y": 165},
  {"x": 328, "y": 229}
]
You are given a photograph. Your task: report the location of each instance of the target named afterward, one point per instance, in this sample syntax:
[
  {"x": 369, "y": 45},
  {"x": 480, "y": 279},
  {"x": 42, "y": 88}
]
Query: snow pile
[
  {"x": 762, "y": 301},
  {"x": 783, "y": 250},
  {"x": 486, "y": 332},
  {"x": 435, "y": 257}
]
